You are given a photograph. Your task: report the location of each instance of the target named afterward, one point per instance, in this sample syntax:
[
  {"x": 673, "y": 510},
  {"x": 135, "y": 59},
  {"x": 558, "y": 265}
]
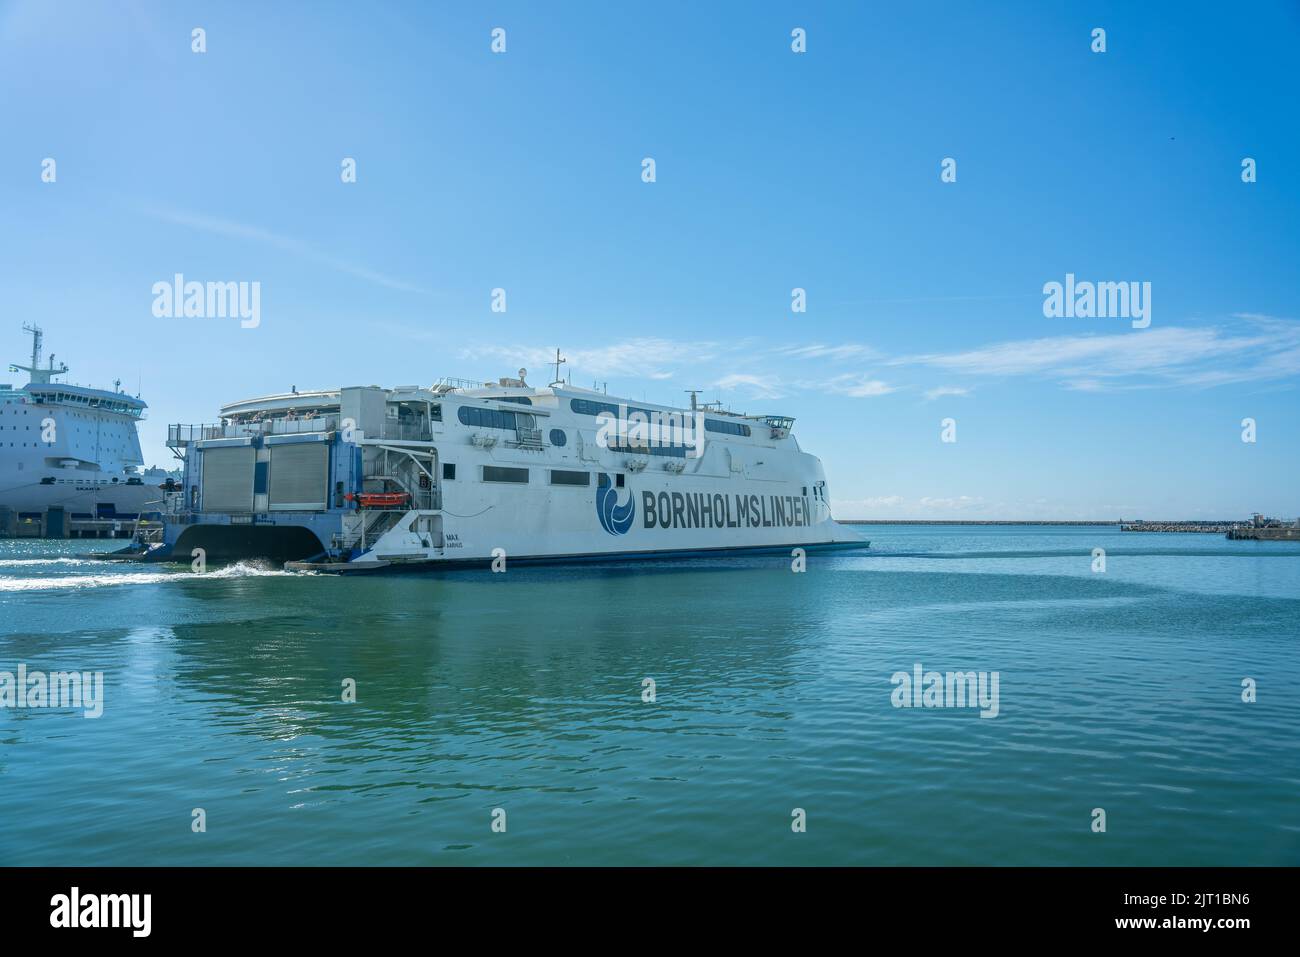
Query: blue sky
[{"x": 775, "y": 170}]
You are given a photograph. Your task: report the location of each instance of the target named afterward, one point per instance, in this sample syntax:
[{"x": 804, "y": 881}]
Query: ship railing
[
  {"x": 450, "y": 383},
  {"x": 407, "y": 431},
  {"x": 528, "y": 439},
  {"x": 298, "y": 426},
  {"x": 280, "y": 426},
  {"x": 179, "y": 436},
  {"x": 372, "y": 524}
]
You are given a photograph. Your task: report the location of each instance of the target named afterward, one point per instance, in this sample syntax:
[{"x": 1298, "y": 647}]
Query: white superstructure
[
  {"x": 69, "y": 453},
  {"x": 367, "y": 477}
]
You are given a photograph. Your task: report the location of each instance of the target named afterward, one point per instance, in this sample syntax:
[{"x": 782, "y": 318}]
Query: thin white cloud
[
  {"x": 898, "y": 506},
  {"x": 1259, "y": 348},
  {"x": 856, "y": 386},
  {"x": 1266, "y": 348},
  {"x": 868, "y": 504},
  {"x": 296, "y": 247},
  {"x": 968, "y": 508},
  {"x": 756, "y": 386},
  {"x": 943, "y": 390},
  {"x": 818, "y": 350},
  {"x": 956, "y": 503},
  {"x": 642, "y": 358},
  {"x": 662, "y": 359}
]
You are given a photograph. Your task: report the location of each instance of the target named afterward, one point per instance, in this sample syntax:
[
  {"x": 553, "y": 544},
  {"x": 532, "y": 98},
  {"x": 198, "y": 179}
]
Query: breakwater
[
  {"x": 1267, "y": 533},
  {"x": 1218, "y": 527}
]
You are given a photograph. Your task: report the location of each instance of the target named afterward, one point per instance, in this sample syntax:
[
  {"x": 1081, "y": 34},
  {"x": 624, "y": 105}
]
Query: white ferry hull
[
  {"x": 365, "y": 479},
  {"x": 110, "y": 500},
  {"x": 563, "y": 524}
]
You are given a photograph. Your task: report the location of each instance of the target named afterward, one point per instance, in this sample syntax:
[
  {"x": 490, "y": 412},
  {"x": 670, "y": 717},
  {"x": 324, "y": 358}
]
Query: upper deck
[
  {"x": 76, "y": 397},
  {"x": 85, "y": 398},
  {"x": 43, "y": 390},
  {"x": 413, "y": 414}
]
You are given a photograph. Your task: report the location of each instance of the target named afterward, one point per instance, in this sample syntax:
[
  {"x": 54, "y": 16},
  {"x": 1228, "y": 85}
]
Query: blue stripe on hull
[{"x": 596, "y": 557}]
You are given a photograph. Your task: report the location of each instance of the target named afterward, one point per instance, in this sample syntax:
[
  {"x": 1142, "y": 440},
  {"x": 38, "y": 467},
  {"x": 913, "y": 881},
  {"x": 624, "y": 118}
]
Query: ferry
[
  {"x": 70, "y": 460},
  {"x": 461, "y": 473}
]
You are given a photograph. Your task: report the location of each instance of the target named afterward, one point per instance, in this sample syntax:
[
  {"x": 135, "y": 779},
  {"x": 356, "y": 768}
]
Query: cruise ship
[
  {"x": 70, "y": 462},
  {"x": 467, "y": 473}
]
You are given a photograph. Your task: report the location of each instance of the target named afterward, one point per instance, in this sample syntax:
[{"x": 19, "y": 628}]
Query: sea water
[{"x": 708, "y": 711}]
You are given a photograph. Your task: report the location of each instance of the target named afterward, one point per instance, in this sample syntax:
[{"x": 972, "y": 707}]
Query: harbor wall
[{"x": 56, "y": 523}]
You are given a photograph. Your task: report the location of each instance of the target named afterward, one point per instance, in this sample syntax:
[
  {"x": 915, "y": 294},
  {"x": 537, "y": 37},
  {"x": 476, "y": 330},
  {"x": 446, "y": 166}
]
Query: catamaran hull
[
  {"x": 450, "y": 564},
  {"x": 367, "y": 479}
]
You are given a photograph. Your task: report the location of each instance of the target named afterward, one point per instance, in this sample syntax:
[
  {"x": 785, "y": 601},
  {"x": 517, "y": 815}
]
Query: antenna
[
  {"x": 559, "y": 361},
  {"x": 694, "y": 394},
  {"x": 37, "y": 335},
  {"x": 39, "y": 376}
]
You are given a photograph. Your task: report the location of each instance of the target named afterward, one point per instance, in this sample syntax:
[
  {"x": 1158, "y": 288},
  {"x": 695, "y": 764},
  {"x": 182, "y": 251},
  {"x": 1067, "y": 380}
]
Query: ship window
[
  {"x": 498, "y": 473},
  {"x": 730, "y": 428},
  {"x": 675, "y": 451},
  {"x": 589, "y": 407},
  {"x": 449, "y": 470},
  {"x": 562, "y": 477},
  {"x": 618, "y": 480},
  {"x": 602, "y": 480},
  {"x": 558, "y": 438},
  {"x": 485, "y": 418}
]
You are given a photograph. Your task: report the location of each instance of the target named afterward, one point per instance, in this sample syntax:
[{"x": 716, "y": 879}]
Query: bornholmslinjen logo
[
  {"x": 614, "y": 518},
  {"x": 103, "y": 910},
  {"x": 954, "y": 689},
  {"x": 58, "y": 689}
]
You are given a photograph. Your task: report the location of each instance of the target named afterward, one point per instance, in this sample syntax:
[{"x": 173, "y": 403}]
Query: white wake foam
[{"x": 133, "y": 575}]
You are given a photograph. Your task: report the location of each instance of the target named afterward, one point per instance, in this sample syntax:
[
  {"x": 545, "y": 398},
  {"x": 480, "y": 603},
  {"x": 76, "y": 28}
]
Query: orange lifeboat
[{"x": 383, "y": 499}]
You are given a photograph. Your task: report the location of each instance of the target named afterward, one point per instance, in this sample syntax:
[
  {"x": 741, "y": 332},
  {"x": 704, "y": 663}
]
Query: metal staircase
[{"x": 373, "y": 524}]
